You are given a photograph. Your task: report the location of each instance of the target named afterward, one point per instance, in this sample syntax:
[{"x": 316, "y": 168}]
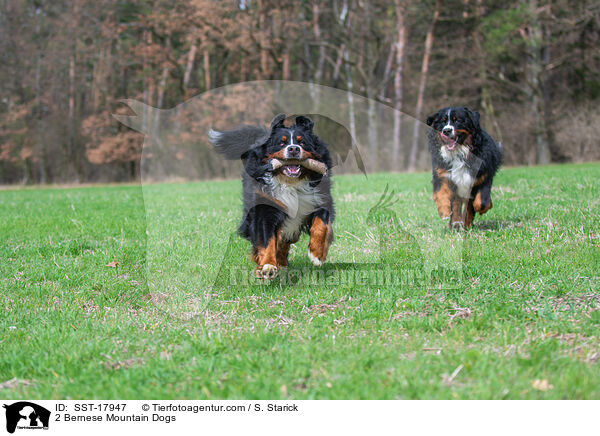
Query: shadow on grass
[
  {"x": 404, "y": 259},
  {"x": 500, "y": 224},
  {"x": 403, "y": 268}
]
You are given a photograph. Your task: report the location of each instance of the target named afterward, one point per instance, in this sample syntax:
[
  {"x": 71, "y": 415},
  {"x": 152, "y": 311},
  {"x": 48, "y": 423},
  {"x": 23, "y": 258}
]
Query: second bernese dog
[
  {"x": 464, "y": 161},
  {"x": 286, "y": 189}
]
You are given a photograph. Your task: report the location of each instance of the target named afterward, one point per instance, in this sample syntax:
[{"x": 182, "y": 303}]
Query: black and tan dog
[
  {"x": 464, "y": 161},
  {"x": 286, "y": 189}
]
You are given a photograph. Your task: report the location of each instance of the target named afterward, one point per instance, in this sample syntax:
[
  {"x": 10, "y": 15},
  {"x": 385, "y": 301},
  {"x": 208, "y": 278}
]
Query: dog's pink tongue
[
  {"x": 292, "y": 170},
  {"x": 450, "y": 143}
]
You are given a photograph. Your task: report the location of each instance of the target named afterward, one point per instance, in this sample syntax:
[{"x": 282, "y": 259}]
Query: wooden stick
[
  {"x": 276, "y": 163},
  {"x": 311, "y": 164}
]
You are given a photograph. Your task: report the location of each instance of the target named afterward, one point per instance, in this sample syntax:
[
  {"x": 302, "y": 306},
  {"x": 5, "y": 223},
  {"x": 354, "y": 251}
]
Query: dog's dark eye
[
  {"x": 454, "y": 118},
  {"x": 444, "y": 119}
]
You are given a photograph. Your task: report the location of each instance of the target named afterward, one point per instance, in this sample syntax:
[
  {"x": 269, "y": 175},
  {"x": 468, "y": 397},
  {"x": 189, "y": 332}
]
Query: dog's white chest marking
[
  {"x": 459, "y": 171},
  {"x": 463, "y": 180},
  {"x": 300, "y": 200}
]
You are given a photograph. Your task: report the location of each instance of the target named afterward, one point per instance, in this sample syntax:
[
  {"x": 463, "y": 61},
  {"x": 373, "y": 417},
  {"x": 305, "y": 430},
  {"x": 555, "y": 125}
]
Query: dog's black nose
[
  {"x": 447, "y": 131},
  {"x": 294, "y": 150}
]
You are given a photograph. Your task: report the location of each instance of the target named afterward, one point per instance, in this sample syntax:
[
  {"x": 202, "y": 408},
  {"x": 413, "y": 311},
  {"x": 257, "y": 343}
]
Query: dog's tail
[{"x": 234, "y": 143}]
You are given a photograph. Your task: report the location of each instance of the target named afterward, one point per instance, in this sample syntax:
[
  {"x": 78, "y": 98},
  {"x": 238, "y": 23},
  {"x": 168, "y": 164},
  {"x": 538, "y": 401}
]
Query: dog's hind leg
[
  {"x": 283, "y": 249},
  {"x": 442, "y": 194},
  {"x": 483, "y": 200},
  {"x": 470, "y": 214},
  {"x": 321, "y": 235}
]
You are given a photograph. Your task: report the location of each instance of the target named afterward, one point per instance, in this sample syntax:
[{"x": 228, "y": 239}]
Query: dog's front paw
[
  {"x": 457, "y": 225},
  {"x": 314, "y": 259},
  {"x": 267, "y": 271}
]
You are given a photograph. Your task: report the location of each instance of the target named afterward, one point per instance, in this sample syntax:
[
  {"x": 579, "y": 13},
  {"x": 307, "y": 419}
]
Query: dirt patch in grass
[
  {"x": 14, "y": 383},
  {"x": 569, "y": 306},
  {"x": 122, "y": 364}
]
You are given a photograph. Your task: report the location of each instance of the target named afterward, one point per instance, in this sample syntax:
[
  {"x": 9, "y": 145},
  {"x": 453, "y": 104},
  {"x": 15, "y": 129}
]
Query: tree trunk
[
  {"x": 159, "y": 102},
  {"x": 321, "y": 60},
  {"x": 372, "y": 124},
  {"x": 534, "y": 90},
  {"x": 345, "y": 15},
  {"x": 398, "y": 76},
  {"x": 424, "y": 69},
  {"x": 94, "y": 90},
  {"x": 350, "y": 86},
  {"x": 556, "y": 155},
  {"x": 338, "y": 64},
  {"x": 72, "y": 154},
  {"x": 206, "y": 69},
  {"x": 41, "y": 144},
  {"x": 71, "y": 119},
  {"x": 264, "y": 54},
  {"x": 286, "y": 65},
  {"x": 485, "y": 98},
  {"x": 189, "y": 66},
  {"x": 387, "y": 71}
]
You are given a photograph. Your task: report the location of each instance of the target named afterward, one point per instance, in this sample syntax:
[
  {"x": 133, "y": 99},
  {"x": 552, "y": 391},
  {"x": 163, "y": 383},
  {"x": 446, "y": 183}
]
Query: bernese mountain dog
[
  {"x": 286, "y": 189},
  {"x": 464, "y": 161}
]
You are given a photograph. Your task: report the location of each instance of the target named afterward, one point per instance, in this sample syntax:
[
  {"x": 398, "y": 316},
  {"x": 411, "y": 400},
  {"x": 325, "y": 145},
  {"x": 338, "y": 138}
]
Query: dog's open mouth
[
  {"x": 450, "y": 143},
  {"x": 291, "y": 170}
]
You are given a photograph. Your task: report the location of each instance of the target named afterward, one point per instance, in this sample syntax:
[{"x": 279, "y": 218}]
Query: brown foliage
[
  {"x": 66, "y": 64},
  {"x": 107, "y": 143}
]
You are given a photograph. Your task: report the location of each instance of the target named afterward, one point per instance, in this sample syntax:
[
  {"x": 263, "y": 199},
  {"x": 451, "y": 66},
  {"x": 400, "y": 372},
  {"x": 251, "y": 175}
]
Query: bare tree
[
  {"x": 400, "y": 9},
  {"x": 533, "y": 82},
  {"x": 424, "y": 69}
]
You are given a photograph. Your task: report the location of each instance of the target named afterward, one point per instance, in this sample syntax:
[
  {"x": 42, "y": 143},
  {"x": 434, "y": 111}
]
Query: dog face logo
[{"x": 26, "y": 415}]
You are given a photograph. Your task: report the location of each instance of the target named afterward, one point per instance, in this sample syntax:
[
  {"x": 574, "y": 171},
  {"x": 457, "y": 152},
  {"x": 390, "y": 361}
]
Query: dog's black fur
[
  {"x": 281, "y": 203},
  {"x": 464, "y": 161}
]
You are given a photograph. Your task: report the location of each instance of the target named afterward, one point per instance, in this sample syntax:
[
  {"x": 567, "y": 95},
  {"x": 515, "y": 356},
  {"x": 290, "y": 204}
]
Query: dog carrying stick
[{"x": 310, "y": 164}]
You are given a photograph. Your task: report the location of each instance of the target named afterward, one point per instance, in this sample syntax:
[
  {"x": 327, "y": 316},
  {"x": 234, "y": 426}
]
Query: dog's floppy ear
[
  {"x": 474, "y": 115},
  {"x": 305, "y": 122},
  {"x": 431, "y": 118},
  {"x": 277, "y": 122}
]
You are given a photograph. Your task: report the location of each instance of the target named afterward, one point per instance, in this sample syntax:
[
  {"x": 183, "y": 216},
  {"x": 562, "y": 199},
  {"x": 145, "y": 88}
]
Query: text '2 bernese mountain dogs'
[
  {"x": 286, "y": 189},
  {"x": 464, "y": 161}
]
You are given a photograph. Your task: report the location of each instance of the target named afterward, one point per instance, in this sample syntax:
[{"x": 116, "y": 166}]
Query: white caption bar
[{"x": 97, "y": 417}]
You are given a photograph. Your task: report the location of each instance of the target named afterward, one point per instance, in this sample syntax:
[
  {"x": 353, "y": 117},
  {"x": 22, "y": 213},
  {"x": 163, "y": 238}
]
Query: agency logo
[{"x": 26, "y": 415}]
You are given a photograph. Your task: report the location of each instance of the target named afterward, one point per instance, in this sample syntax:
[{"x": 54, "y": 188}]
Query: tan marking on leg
[
  {"x": 282, "y": 254},
  {"x": 321, "y": 235},
  {"x": 457, "y": 219},
  {"x": 442, "y": 199},
  {"x": 469, "y": 215},
  {"x": 266, "y": 259},
  {"x": 477, "y": 204}
]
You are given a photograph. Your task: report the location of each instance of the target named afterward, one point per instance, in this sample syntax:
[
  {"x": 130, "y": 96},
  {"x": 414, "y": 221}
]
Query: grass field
[{"x": 123, "y": 292}]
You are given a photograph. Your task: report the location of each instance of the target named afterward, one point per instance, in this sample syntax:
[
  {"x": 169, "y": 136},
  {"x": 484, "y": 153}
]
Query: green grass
[{"x": 521, "y": 302}]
